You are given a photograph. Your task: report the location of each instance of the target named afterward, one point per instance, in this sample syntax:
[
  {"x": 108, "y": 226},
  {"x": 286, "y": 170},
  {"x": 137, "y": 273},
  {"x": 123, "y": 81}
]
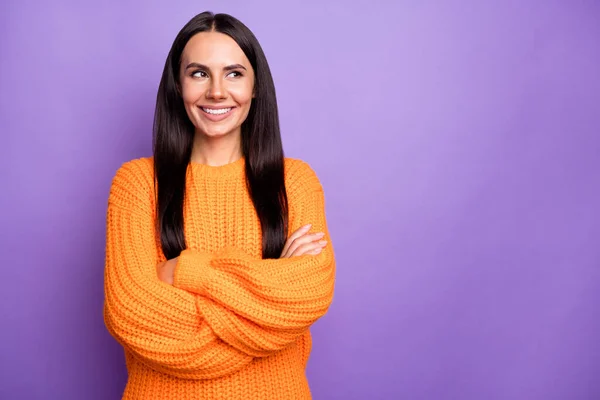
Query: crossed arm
[{"x": 223, "y": 309}]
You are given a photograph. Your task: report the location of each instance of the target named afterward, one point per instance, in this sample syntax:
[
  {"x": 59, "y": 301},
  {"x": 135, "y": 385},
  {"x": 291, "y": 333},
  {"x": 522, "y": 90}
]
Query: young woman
[{"x": 218, "y": 258}]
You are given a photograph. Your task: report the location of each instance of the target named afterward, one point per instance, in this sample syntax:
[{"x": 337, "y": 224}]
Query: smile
[
  {"x": 217, "y": 114},
  {"x": 216, "y": 111}
]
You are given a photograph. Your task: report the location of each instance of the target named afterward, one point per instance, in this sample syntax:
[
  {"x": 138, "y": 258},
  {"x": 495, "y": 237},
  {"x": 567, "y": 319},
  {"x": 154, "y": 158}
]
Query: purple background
[{"x": 458, "y": 146}]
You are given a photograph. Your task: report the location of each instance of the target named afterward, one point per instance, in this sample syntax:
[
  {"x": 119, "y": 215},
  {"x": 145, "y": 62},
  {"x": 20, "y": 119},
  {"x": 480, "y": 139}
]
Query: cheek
[
  {"x": 190, "y": 93},
  {"x": 242, "y": 95}
]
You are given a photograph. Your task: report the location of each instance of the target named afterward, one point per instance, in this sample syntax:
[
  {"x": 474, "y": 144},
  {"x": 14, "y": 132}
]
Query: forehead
[{"x": 213, "y": 49}]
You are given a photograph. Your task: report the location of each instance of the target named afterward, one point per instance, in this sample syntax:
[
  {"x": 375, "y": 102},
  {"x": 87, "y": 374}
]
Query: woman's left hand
[{"x": 166, "y": 270}]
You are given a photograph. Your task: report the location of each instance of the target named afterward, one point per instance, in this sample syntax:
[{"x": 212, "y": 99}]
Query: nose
[{"x": 216, "y": 90}]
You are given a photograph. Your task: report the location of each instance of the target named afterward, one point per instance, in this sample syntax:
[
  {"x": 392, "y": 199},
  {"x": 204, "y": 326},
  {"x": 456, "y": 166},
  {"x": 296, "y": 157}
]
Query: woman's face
[{"x": 216, "y": 84}]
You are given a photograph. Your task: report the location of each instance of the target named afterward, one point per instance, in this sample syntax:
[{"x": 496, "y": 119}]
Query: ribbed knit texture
[{"x": 233, "y": 326}]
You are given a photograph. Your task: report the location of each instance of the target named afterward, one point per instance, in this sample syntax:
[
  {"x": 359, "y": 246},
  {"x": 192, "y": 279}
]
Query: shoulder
[
  {"x": 300, "y": 177},
  {"x": 133, "y": 184}
]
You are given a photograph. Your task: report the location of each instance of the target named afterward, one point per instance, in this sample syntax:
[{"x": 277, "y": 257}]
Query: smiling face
[{"x": 216, "y": 83}]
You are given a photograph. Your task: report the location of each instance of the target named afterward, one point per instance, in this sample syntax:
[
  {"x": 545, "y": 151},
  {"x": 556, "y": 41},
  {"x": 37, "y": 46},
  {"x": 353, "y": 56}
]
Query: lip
[{"x": 213, "y": 117}]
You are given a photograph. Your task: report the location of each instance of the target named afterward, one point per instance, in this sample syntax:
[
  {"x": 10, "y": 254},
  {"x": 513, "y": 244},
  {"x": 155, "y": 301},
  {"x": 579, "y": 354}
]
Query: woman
[{"x": 218, "y": 258}]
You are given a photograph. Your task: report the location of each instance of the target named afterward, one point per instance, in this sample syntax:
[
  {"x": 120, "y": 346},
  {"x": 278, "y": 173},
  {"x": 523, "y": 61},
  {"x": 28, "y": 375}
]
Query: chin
[{"x": 214, "y": 133}]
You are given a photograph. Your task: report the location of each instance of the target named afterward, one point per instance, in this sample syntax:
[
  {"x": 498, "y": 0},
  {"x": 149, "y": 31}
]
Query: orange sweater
[{"x": 233, "y": 326}]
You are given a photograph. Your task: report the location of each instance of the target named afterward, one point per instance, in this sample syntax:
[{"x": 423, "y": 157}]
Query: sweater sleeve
[
  {"x": 261, "y": 306},
  {"x": 161, "y": 325}
]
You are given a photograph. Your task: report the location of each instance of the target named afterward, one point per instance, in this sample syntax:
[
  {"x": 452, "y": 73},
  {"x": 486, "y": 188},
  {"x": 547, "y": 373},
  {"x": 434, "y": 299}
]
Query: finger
[
  {"x": 309, "y": 248},
  {"x": 320, "y": 246},
  {"x": 307, "y": 238},
  {"x": 299, "y": 232},
  {"x": 312, "y": 249}
]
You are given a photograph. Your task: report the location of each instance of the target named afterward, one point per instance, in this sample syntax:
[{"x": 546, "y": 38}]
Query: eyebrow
[{"x": 227, "y": 68}]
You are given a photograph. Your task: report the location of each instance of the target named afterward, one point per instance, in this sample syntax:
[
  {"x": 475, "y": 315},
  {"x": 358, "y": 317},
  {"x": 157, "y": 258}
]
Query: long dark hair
[{"x": 173, "y": 136}]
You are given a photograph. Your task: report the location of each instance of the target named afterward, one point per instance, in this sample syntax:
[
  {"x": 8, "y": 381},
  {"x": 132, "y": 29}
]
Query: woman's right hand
[{"x": 301, "y": 242}]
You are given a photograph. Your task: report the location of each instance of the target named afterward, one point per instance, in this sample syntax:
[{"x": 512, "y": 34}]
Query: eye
[
  {"x": 235, "y": 74},
  {"x": 199, "y": 74}
]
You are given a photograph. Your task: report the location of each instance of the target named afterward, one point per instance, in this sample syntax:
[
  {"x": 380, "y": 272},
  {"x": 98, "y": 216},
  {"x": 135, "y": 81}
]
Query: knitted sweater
[{"x": 233, "y": 325}]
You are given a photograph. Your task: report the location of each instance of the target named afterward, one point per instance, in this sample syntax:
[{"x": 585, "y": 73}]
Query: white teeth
[{"x": 217, "y": 111}]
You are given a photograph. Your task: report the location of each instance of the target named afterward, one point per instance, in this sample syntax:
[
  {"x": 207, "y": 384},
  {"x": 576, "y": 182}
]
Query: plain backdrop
[{"x": 458, "y": 145}]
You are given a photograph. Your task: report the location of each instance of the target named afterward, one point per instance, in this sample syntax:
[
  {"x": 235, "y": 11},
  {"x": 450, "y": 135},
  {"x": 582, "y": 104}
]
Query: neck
[{"x": 216, "y": 151}]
